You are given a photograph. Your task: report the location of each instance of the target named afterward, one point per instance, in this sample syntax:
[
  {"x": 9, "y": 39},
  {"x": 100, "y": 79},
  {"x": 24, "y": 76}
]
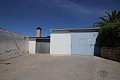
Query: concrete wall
[
  {"x": 60, "y": 43},
  {"x": 112, "y": 53},
  {"x": 12, "y": 44}
]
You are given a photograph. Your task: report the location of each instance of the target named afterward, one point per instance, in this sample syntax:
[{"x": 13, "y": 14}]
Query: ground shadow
[{"x": 97, "y": 47}]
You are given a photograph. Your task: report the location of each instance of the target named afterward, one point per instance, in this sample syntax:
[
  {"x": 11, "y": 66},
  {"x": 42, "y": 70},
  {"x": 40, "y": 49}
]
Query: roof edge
[{"x": 68, "y": 30}]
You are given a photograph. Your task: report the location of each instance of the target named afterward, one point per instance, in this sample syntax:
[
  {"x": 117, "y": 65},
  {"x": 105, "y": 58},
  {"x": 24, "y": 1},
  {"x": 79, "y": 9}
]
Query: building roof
[
  {"x": 40, "y": 39},
  {"x": 68, "y": 30},
  {"x": 48, "y": 37}
]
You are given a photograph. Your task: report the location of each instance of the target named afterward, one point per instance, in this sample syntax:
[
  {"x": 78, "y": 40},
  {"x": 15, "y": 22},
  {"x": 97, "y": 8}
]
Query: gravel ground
[{"x": 46, "y": 67}]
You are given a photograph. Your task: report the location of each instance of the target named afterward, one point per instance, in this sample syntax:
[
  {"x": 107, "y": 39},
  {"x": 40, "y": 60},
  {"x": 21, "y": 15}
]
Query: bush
[{"x": 110, "y": 35}]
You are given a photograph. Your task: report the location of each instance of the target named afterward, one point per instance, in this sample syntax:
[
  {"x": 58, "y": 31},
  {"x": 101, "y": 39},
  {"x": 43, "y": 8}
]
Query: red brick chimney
[{"x": 38, "y": 32}]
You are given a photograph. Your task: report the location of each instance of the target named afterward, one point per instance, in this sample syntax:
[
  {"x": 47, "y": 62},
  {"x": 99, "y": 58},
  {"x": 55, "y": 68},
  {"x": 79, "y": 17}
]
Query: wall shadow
[{"x": 97, "y": 47}]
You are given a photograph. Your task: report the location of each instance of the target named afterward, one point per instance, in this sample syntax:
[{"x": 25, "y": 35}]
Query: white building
[{"x": 73, "y": 41}]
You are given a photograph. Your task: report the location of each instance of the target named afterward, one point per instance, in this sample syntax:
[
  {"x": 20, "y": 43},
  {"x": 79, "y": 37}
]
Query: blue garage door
[{"x": 82, "y": 43}]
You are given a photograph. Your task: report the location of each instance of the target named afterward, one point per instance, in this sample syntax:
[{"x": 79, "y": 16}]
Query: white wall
[
  {"x": 32, "y": 46},
  {"x": 83, "y": 43},
  {"x": 80, "y": 43},
  {"x": 60, "y": 43}
]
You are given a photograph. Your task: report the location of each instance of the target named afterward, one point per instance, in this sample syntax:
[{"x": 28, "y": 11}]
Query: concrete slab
[{"x": 46, "y": 67}]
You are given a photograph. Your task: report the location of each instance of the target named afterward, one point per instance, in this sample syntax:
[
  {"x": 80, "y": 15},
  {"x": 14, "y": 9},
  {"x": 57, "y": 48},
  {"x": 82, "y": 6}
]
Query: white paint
[
  {"x": 60, "y": 43},
  {"x": 83, "y": 43},
  {"x": 32, "y": 45}
]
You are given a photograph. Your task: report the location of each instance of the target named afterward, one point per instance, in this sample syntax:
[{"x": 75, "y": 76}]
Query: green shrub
[{"x": 110, "y": 35}]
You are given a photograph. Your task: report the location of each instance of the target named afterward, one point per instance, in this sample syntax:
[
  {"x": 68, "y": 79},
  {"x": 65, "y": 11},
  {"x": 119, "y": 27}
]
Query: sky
[{"x": 24, "y": 16}]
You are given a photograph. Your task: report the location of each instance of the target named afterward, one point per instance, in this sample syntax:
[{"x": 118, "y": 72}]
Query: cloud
[{"x": 73, "y": 7}]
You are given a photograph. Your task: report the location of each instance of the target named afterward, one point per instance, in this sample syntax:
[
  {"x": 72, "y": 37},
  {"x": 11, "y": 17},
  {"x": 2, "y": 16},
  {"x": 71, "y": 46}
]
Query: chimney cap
[{"x": 38, "y": 28}]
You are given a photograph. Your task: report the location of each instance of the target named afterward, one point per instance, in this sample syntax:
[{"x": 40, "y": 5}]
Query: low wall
[
  {"x": 111, "y": 53},
  {"x": 32, "y": 45},
  {"x": 12, "y": 44}
]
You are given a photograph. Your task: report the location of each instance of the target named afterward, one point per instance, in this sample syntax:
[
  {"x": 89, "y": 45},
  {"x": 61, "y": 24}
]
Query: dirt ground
[{"x": 46, "y": 67}]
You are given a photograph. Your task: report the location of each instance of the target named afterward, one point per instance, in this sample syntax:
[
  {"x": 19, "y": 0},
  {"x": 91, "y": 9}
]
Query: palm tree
[{"x": 114, "y": 17}]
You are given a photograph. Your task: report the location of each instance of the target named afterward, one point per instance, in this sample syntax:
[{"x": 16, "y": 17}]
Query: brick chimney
[{"x": 38, "y": 32}]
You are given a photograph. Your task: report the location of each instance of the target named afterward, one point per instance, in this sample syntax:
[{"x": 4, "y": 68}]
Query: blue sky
[{"x": 23, "y": 16}]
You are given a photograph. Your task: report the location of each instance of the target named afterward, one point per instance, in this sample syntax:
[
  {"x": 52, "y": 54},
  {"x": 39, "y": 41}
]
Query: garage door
[
  {"x": 82, "y": 44},
  {"x": 42, "y": 47}
]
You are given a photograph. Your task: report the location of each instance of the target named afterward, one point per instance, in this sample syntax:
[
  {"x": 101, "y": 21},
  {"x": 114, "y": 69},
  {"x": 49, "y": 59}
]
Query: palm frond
[
  {"x": 104, "y": 20},
  {"x": 112, "y": 17}
]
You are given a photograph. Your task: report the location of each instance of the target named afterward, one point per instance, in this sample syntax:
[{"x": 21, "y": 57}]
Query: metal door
[
  {"x": 85, "y": 46},
  {"x": 82, "y": 46},
  {"x": 42, "y": 47}
]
